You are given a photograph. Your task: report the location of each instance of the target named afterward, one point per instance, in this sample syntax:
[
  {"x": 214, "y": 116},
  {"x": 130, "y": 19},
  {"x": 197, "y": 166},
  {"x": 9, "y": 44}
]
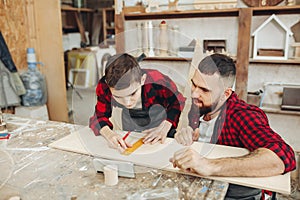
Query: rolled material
[
  {"x": 111, "y": 175},
  {"x": 163, "y": 39},
  {"x": 151, "y": 45}
]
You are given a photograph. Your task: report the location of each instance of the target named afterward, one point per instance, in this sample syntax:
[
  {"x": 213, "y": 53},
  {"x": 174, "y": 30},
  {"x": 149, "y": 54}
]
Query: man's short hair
[
  {"x": 221, "y": 64},
  {"x": 121, "y": 70}
]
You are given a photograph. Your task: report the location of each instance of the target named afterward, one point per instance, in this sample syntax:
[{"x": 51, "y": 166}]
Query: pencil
[{"x": 126, "y": 135}]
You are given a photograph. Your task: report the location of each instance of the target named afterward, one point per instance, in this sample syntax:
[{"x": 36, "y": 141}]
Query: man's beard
[{"x": 207, "y": 109}]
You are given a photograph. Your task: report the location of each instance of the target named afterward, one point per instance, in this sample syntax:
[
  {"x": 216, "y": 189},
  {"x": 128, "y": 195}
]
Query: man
[
  {"x": 149, "y": 100},
  {"x": 218, "y": 116}
]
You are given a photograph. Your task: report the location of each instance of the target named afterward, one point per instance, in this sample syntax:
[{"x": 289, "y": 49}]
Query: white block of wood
[
  {"x": 35, "y": 112},
  {"x": 111, "y": 175}
]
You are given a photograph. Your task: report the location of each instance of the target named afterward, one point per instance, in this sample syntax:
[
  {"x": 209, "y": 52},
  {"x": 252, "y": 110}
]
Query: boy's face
[{"x": 130, "y": 96}]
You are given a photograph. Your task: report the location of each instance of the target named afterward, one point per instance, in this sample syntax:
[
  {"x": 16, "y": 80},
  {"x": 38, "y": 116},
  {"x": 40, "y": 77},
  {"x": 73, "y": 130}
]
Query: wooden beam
[
  {"x": 48, "y": 34},
  {"x": 243, "y": 49},
  {"x": 119, "y": 33},
  {"x": 80, "y": 27}
]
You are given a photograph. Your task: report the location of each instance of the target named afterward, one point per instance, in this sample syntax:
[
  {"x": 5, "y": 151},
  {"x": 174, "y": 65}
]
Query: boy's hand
[
  {"x": 114, "y": 140},
  {"x": 186, "y": 136},
  {"x": 157, "y": 133}
]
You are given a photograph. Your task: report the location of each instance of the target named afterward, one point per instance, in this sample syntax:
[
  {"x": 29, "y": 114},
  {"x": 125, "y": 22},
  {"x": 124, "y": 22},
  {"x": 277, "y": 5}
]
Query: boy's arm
[
  {"x": 114, "y": 140},
  {"x": 158, "y": 133},
  {"x": 103, "y": 108},
  {"x": 173, "y": 102}
]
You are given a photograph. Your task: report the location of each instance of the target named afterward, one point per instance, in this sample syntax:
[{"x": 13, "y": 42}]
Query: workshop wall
[
  {"x": 37, "y": 24},
  {"x": 14, "y": 27}
]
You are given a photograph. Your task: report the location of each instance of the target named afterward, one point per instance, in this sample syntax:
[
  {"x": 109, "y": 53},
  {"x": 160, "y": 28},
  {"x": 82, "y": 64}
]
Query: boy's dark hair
[
  {"x": 121, "y": 70},
  {"x": 219, "y": 63}
]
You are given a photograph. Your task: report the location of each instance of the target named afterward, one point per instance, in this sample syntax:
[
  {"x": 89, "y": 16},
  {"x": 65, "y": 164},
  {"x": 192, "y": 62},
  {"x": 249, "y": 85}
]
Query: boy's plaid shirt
[{"x": 158, "y": 89}]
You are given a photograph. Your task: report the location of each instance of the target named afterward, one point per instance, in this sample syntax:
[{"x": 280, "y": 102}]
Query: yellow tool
[{"x": 136, "y": 145}]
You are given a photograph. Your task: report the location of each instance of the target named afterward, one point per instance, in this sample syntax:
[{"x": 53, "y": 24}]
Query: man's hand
[
  {"x": 158, "y": 133},
  {"x": 114, "y": 140},
  {"x": 186, "y": 136},
  {"x": 189, "y": 160}
]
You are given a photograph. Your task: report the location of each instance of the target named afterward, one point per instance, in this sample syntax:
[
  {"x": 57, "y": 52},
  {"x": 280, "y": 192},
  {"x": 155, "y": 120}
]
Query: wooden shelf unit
[
  {"x": 244, "y": 33},
  {"x": 76, "y": 12},
  {"x": 108, "y": 20}
]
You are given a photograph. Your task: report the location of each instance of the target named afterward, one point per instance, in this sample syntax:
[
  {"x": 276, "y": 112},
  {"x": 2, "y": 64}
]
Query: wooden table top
[{"x": 32, "y": 170}]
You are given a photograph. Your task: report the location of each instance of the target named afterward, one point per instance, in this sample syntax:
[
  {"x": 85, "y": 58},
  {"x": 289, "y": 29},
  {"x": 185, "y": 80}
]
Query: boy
[{"x": 149, "y": 100}]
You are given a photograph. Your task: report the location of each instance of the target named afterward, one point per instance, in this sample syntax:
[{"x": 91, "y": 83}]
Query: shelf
[
  {"x": 108, "y": 18},
  {"x": 157, "y": 58},
  {"x": 277, "y": 110},
  {"x": 276, "y": 10},
  {"x": 75, "y": 16},
  {"x": 244, "y": 17},
  {"x": 72, "y": 9},
  {"x": 233, "y": 12},
  {"x": 289, "y": 61}
]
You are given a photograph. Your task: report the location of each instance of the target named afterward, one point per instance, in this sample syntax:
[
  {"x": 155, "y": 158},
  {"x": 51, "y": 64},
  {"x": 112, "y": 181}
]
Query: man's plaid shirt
[{"x": 242, "y": 125}]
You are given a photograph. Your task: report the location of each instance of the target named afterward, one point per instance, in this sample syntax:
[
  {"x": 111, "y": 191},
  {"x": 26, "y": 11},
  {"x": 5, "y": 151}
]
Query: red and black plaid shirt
[
  {"x": 242, "y": 125},
  {"x": 158, "y": 89}
]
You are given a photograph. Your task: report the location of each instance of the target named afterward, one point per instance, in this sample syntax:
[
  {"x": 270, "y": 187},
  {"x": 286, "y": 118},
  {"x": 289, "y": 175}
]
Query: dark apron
[
  {"x": 238, "y": 192},
  {"x": 141, "y": 119}
]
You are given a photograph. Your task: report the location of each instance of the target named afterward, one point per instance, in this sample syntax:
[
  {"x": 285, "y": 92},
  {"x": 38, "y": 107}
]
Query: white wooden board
[{"x": 84, "y": 141}]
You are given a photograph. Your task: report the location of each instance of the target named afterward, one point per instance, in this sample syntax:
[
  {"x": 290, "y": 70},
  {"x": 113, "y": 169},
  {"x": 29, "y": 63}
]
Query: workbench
[{"x": 32, "y": 170}]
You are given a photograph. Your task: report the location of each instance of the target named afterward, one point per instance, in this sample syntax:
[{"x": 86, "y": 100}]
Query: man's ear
[
  {"x": 227, "y": 93},
  {"x": 143, "y": 79}
]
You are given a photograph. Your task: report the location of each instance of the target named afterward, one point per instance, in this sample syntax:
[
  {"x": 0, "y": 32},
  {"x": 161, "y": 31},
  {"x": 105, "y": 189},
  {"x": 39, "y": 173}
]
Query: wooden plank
[
  {"x": 50, "y": 52},
  {"x": 157, "y": 58},
  {"x": 269, "y": 10},
  {"x": 284, "y": 62},
  {"x": 119, "y": 33},
  {"x": 232, "y": 12},
  {"x": 13, "y": 23},
  {"x": 296, "y": 31},
  {"x": 104, "y": 24},
  {"x": 72, "y": 9},
  {"x": 135, "y": 9},
  {"x": 270, "y": 52},
  {"x": 97, "y": 146},
  {"x": 243, "y": 49},
  {"x": 255, "y": 3},
  {"x": 80, "y": 26}
]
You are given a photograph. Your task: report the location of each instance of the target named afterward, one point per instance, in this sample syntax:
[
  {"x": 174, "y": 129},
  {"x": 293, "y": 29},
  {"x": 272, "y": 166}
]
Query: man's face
[
  {"x": 206, "y": 91},
  {"x": 129, "y": 96}
]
